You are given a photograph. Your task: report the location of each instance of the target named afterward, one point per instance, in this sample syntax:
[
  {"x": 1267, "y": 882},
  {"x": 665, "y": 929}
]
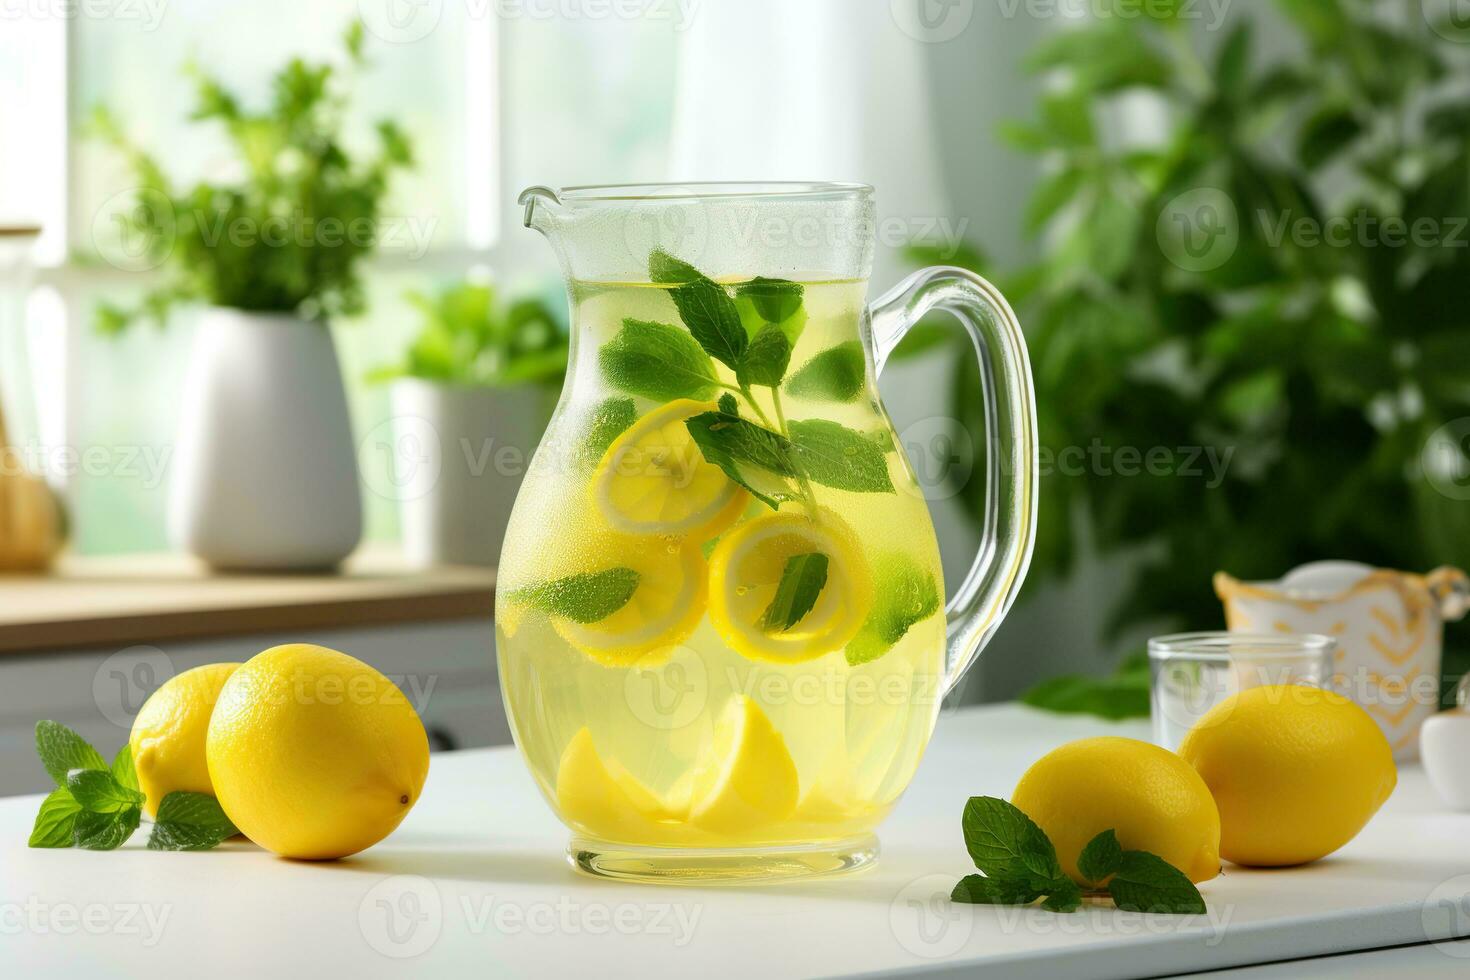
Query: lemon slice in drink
[
  {"x": 667, "y": 603},
  {"x": 746, "y": 569},
  {"x": 751, "y": 780},
  {"x": 604, "y": 799},
  {"x": 653, "y": 479}
]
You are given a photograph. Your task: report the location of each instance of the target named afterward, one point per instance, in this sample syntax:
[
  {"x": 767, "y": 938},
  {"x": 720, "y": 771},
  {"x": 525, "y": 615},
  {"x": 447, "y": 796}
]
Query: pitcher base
[{"x": 690, "y": 866}]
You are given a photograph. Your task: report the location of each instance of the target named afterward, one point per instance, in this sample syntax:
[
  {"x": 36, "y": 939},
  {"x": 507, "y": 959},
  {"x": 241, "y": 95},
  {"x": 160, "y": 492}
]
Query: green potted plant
[
  {"x": 469, "y": 403},
  {"x": 264, "y": 470}
]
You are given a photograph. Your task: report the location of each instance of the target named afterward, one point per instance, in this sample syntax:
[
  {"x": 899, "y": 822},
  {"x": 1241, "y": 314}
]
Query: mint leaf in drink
[
  {"x": 979, "y": 890},
  {"x": 905, "y": 593},
  {"x": 801, "y": 583},
  {"x": 657, "y": 361},
  {"x": 837, "y": 374},
  {"x": 588, "y": 597},
  {"x": 728, "y": 405},
  {"x": 123, "y": 770},
  {"x": 105, "y": 831},
  {"x": 98, "y": 791},
  {"x": 190, "y": 822},
  {"x": 1102, "y": 857},
  {"x": 774, "y": 299},
  {"x": 754, "y": 457},
  {"x": 839, "y": 457},
  {"x": 62, "y": 750},
  {"x": 766, "y": 359},
  {"x": 1005, "y": 843},
  {"x": 1062, "y": 895},
  {"x": 704, "y": 306},
  {"x": 55, "y": 820},
  {"x": 1145, "y": 882},
  {"x": 610, "y": 419}
]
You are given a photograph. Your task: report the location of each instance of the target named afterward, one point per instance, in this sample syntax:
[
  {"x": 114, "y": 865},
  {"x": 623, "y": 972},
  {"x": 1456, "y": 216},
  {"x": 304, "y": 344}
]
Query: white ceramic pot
[
  {"x": 459, "y": 453},
  {"x": 265, "y": 469}
]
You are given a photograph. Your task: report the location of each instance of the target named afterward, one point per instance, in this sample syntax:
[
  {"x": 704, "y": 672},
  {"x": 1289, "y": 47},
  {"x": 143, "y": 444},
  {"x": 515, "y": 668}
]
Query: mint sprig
[
  {"x": 802, "y": 581},
  {"x": 704, "y": 306},
  {"x": 837, "y": 374},
  {"x": 1019, "y": 865},
  {"x": 98, "y": 807},
  {"x": 587, "y": 597},
  {"x": 657, "y": 361}
]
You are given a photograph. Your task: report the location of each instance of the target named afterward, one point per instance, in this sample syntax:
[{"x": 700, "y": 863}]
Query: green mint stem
[{"x": 809, "y": 497}]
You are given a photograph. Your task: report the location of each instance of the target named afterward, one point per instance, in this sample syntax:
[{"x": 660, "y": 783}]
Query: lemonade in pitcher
[{"x": 720, "y": 618}]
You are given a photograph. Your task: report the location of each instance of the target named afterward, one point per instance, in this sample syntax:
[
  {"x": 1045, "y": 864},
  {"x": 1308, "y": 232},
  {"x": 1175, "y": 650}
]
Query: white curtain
[{"x": 808, "y": 90}]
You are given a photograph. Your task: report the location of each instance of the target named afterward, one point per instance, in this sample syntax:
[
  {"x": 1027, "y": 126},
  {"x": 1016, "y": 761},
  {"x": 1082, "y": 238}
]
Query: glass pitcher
[{"x": 719, "y": 620}]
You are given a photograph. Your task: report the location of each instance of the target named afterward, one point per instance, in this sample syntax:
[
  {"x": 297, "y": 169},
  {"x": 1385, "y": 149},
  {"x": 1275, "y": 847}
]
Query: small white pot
[
  {"x": 265, "y": 469},
  {"x": 459, "y": 453}
]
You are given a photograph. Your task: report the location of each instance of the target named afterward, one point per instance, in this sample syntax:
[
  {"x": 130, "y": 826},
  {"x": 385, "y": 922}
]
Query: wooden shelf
[{"x": 116, "y": 601}]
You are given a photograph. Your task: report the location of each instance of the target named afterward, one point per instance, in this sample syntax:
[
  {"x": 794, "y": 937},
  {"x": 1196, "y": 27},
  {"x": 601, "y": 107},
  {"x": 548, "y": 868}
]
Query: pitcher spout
[{"x": 542, "y": 205}]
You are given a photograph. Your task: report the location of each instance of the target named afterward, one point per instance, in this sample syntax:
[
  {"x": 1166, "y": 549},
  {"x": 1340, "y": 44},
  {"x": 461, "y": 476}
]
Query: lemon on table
[
  {"x": 314, "y": 754},
  {"x": 168, "y": 735},
  {"x": 666, "y": 587},
  {"x": 750, "y": 780},
  {"x": 653, "y": 479},
  {"x": 747, "y": 569},
  {"x": 1149, "y": 796},
  {"x": 1296, "y": 771}
]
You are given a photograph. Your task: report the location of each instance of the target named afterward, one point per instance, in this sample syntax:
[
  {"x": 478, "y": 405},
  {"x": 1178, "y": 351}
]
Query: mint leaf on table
[
  {"x": 979, "y": 890},
  {"x": 774, "y": 299},
  {"x": 657, "y": 361},
  {"x": 1102, "y": 857},
  {"x": 123, "y": 770},
  {"x": 54, "y": 822},
  {"x": 802, "y": 581},
  {"x": 839, "y": 457},
  {"x": 704, "y": 306},
  {"x": 766, "y": 359},
  {"x": 1145, "y": 882},
  {"x": 905, "y": 594},
  {"x": 610, "y": 419},
  {"x": 97, "y": 791},
  {"x": 836, "y": 374},
  {"x": 1005, "y": 843},
  {"x": 105, "y": 831},
  {"x": 1063, "y": 895},
  {"x": 588, "y": 597},
  {"x": 62, "y": 750},
  {"x": 190, "y": 822},
  {"x": 1123, "y": 695},
  {"x": 754, "y": 457}
]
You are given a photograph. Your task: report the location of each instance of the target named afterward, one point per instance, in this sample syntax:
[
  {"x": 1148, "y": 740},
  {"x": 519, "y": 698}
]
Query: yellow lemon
[
  {"x": 1296, "y": 771},
  {"x": 751, "y": 780},
  {"x": 746, "y": 569},
  {"x": 603, "y": 799},
  {"x": 168, "y": 735},
  {"x": 1149, "y": 796},
  {"x": 314, "y": 754},
  {"x": 667, "y": 585},
  {"x": 653, "y": 479}
]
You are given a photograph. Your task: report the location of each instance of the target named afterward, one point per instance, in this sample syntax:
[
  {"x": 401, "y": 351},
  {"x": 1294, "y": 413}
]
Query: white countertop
[{"x": 475, "y": 882}]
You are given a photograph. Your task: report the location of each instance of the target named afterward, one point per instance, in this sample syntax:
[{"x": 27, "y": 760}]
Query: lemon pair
[{"x": 665, "y": 502}]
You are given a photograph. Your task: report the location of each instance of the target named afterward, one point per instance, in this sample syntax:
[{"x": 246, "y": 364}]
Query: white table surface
[{"x": 475, "y": 882}]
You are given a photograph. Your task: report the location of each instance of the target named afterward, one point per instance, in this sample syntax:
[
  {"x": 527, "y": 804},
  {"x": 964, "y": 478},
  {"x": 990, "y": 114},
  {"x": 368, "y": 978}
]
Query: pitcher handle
[{"x": 1009, "y": 532}]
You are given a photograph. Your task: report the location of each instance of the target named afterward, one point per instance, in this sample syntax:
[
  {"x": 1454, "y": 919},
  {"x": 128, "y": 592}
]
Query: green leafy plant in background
[
  {"x": 1182, "y": 302},
  {"x": 469, "y": 337},
  {"x": 289, "y": 234}
]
